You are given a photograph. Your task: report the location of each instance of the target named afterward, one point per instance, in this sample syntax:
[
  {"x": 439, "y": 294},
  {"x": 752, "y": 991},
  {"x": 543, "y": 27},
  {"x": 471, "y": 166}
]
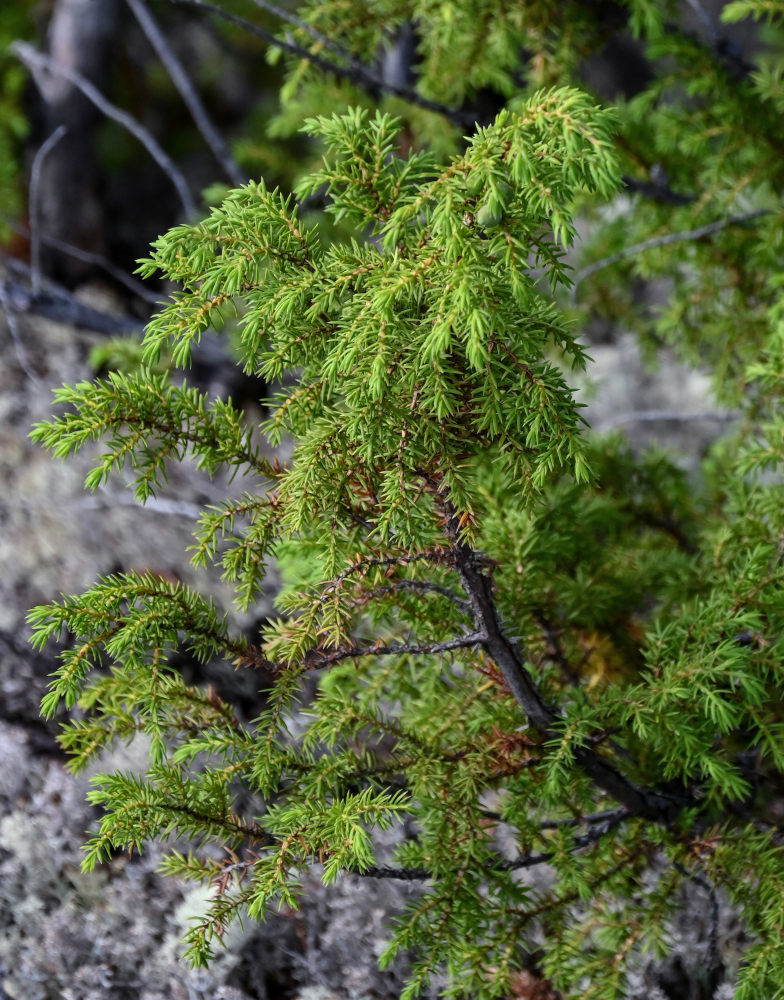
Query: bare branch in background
[
  {"x": 62, "y": 307},
  {"x": 282, "y": 43},
  {"x": 35, "y": 204},
  {"x": 87, "y": 257},
  {"x": 706, "y": 20},
  {"x": 160, "y": 505},
  {"x": 13, "y": 327},
  {"x": 657, "y": 191},
  {"x": 40, "y": 65},
  {"x": 676, "y": 416},
  {"x": 666, "y": 240},
  {"x": 187, "y": 91}
]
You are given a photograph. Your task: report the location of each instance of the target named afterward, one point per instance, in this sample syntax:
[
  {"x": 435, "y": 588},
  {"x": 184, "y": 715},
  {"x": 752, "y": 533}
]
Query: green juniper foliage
[{"x": 522, "y": 634}]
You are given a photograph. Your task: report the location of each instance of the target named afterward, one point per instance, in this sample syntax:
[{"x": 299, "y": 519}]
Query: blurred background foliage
[
  {"x": 15, "y": 22},
  {"x": 441, "y": 66}
]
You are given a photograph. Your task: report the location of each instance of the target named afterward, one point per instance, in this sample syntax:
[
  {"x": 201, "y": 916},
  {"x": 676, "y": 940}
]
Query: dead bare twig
[
  {"x": 187, "y": 91},
  {"x": 40, "y": 64},
  {"x": 89, "y": 257},
  {"x": 13, "y": 327},
  {"x": 35, "y": 203}
]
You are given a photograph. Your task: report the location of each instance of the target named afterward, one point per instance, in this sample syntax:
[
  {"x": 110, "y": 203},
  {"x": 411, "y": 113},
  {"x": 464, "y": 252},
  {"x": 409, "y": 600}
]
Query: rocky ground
[{"x": 113, "y": 934}]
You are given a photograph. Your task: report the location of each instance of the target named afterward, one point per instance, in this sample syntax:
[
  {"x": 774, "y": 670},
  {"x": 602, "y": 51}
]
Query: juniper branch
[
  {"x": 510, "y": 659},
  {"x": 318, "y": 658}
]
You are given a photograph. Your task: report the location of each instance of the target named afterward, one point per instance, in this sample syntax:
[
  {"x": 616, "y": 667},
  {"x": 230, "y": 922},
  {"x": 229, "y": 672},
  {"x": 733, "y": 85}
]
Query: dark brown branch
[
  {"x": 422, "y": 586},
  {"x": 369, "y": 562},
  {"x": 326, "y": 658},
  {"x": 590, "y": 819},
  {"x": 660, "y": 192},
  {"x": 309, "y": 29},
  {"x": 526, "y": 861},
  {"x": 502, "y": 650},
  {"x": 402, "y": 874},
  {"x": 63, "y": 308},
  {"x": 510, "y": 659},
  {"x": 231, "y": 823},
  {"x": 282, "y": 43}
]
